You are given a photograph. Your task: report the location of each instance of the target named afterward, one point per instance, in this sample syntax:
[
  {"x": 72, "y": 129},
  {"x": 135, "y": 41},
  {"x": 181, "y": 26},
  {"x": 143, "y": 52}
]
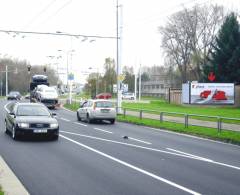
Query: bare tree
[{"x": 187, "y": 38}]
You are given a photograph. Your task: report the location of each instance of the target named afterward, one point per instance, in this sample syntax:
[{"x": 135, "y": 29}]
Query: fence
[{"x": 184, "y": 118}]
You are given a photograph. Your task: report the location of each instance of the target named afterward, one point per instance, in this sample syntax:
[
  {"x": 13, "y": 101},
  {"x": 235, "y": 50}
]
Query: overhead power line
[
  {"x": 59, "y": 34},
  {"x": 39, "y": 14}
]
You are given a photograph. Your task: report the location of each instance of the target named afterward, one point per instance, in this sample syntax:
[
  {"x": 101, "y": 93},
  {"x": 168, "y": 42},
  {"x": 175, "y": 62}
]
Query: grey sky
[{"x": 140, "y": 39}]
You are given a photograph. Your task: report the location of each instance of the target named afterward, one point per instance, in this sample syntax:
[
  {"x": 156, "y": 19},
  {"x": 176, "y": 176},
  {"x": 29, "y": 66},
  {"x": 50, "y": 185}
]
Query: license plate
[
  {"x": 40, "y": 131},
  {"x": 105, "y": 111}
]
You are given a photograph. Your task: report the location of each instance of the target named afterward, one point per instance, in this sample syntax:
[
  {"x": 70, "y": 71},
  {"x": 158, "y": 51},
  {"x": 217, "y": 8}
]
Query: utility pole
[
  {"x": 140, "y": 83},
  {"x": 6, "y": 80},
  {"x": 118, "y": 62},
  {"x": 135, "y": 85}
]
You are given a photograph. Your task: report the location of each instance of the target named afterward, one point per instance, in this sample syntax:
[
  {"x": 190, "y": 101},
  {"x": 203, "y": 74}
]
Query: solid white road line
[
  {"x": 191, "y": 136},
  {"x": 105, "y": 131},
  {"x": 80, "y": 124},
  {"x": 132, "y": 166},
  {"x": 64, "y": 119},
  {"x": 206, "y": 159},
  {"x": 157, "y": 150},
  {"x": 5, "y": 107},
  {"x": 138, "y": 140}
]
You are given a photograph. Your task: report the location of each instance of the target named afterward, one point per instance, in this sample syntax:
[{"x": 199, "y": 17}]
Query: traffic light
[
  {"x": 29, "y": 68},
  {"x": 45, "y": 69}
]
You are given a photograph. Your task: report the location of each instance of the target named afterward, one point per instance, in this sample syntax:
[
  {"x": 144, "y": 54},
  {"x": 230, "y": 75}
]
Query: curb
[{"x": 9, "y": 182}]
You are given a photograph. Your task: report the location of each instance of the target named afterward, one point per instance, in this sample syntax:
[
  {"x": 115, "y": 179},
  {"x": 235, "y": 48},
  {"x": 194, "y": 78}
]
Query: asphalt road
[{"x": 95, "y": 159}]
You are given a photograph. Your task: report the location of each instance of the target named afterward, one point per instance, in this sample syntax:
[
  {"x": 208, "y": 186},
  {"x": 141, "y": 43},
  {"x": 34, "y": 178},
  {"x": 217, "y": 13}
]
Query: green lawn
[
  {"x": 1, "y": 192},
  {"x": 163, "y": 106}
]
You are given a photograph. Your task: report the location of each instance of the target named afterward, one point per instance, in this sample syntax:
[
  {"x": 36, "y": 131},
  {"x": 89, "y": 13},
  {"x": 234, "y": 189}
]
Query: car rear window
[
  {"x": 104, "y": 104},
  {"x": 32, "y": 111}
]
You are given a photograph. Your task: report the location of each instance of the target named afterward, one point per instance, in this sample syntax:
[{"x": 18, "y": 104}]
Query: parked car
[
  {"x": 30, "y": 118},
  {"x": 14, "y": 95},
  {"x": 97, "y": 109},
  {"x": 128, "y": 96},
  {"x": 104, "y": 96}
]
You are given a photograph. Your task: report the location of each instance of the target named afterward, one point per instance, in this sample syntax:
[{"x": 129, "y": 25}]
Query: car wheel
[
  {"x": 6, "y": 130},
  {"x": 112, "y": 121},
  {"x": 88, "y": 119},
  {"x": 78, "y": 117},
  {"x": 14, "y": 135}
]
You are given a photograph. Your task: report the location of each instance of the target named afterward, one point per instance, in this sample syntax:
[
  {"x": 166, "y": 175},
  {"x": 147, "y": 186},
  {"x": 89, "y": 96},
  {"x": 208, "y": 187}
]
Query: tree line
[
  {"x": 203, "y": 40},
  {"x": 19, "y": 77}
]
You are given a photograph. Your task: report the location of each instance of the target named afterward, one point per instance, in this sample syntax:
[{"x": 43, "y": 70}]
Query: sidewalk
[
  {"x": 9, "y": 182},
  {"x": 194, "y": 122}
]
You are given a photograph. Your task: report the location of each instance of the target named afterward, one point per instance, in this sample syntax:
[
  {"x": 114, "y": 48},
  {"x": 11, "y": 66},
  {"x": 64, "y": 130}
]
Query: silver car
[{"x": 98, "y": 109}]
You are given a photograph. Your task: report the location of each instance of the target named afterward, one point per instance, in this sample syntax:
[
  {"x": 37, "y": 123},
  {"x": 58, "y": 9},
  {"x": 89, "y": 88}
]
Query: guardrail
[{"x": 185, "y": 116}]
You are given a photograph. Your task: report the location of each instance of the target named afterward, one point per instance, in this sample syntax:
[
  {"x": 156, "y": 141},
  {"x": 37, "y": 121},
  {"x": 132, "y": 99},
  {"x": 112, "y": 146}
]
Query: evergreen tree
[{"x": 225, "y": 59}]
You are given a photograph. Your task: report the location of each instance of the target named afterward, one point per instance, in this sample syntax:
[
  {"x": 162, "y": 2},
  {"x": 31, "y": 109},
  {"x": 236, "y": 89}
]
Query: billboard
[{"x": 212, "y": 93}]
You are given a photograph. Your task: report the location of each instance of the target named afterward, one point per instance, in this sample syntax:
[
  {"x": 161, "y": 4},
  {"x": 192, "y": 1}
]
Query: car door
[
  {"x": 83, "y": 110},
  {"x": 9, "y": 117}
]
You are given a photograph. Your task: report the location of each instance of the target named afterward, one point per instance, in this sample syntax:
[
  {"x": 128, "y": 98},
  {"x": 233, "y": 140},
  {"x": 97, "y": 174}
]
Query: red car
[
  {"x": 104, "y": 96},
  {"x": 205, "y": 94},
  {"x": 218, "y": 95}
]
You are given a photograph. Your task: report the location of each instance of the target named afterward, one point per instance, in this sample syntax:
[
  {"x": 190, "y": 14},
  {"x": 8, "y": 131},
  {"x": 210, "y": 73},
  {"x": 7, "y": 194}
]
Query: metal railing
[{"x": 186, "y": 117}]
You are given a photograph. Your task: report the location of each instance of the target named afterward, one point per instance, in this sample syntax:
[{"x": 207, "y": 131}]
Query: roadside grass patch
[
  {"x": 211, "y": 133},
  {"x": 1, "y": 192},
  {"x": 74, "y": 106}
]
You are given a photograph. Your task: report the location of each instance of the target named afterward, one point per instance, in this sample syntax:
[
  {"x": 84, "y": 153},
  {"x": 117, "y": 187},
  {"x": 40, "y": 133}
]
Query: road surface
[{"x": 96, "y": 159}]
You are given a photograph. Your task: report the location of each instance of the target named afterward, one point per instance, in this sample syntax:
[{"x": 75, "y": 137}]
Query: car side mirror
[{"x": 54, "y": 114}]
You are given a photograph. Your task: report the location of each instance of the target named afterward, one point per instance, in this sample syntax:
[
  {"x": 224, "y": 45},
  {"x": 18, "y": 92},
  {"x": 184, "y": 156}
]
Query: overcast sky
[{"x": 140, "y": 38}]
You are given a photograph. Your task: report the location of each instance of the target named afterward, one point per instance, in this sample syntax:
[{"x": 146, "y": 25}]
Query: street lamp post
[
  {"x": 68, "y": 86},
  {"x": 6, "y": 80}
]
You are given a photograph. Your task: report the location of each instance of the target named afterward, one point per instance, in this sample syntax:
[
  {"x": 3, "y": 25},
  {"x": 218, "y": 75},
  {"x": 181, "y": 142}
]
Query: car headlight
[
  {"x": 23, "y": 125},
  {"x": 53, "y": 125}
]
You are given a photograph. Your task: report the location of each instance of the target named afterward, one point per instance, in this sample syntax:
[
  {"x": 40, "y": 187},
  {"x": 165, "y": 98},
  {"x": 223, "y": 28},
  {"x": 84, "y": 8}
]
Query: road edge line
[{"x": 10, "y": 184}]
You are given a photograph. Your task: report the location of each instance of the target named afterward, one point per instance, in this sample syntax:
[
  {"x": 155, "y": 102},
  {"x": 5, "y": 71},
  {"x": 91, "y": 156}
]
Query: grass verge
[
  {"x": 225, "y": 136},
  {"x": 1, "y": 192}
]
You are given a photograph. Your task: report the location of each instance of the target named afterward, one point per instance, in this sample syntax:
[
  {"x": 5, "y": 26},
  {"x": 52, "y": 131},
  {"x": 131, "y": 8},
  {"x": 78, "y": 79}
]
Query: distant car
[
  {"x": 128, "y": 96},
  {"x": 30, "y": 118},
  {"x": 97, "y": 109},
  {"x": 14, "y": 95},
  {"x": 104, "y": 96}
]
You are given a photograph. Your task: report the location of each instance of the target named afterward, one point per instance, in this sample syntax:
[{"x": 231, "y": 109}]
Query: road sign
[
  {"x": 71, "y": 77},
  {"x": 121, "y": 77}
]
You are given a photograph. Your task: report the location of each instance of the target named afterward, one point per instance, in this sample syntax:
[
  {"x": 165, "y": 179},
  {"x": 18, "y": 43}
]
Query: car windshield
[
  {"x": 26, "y": 110},
  {"x": 104, "y": 104}
]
